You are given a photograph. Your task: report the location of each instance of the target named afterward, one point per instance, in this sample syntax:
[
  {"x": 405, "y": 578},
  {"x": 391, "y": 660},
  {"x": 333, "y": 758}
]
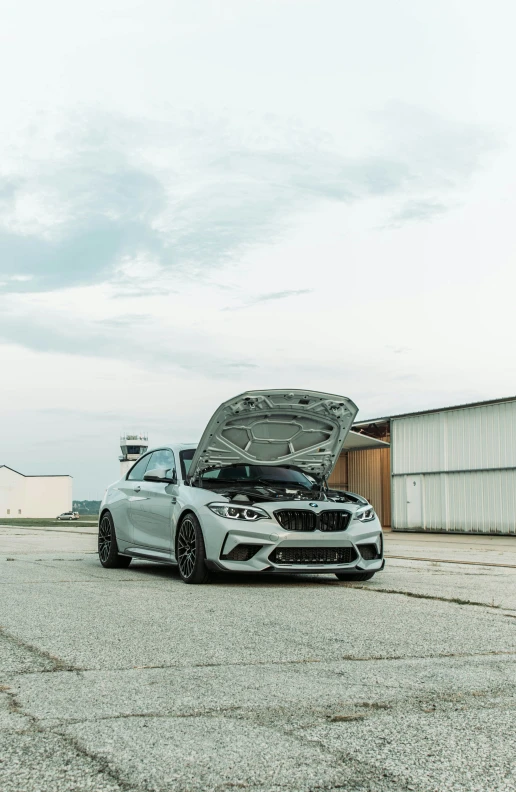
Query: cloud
[
  {"x": 399, "y": 350},
  {"x": 440, "y": 152},
  {"x": 137, "y": 339},
  {"x": 280, "y": 295},
  {"x": 79, "y": 415},
  {"x": 242, "y": 365},
  {"x": 417, "y": 211},
  {"x": 125, "y": 321},
  {"x": 82, "y": 197},
  {"x": 261, "y": 298}
]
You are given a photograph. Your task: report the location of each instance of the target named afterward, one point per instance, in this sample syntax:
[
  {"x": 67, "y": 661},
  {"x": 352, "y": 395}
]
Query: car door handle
[{"x": 137, "y": 489}]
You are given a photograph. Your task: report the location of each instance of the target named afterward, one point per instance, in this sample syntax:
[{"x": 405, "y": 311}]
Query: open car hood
[{"x": 305, "y": 429}]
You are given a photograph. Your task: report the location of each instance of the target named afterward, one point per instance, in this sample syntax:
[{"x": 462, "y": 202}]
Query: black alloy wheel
[
  {"x": 190, "y": 551},
  {"x": 108, "y": 547},
  {"x": 349, "y": 577}
]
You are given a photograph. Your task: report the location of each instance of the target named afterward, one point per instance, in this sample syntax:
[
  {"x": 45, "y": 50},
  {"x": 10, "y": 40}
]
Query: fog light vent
[
  {"x": 241, "y": 552},
  {"x": 368, "y": 551}
]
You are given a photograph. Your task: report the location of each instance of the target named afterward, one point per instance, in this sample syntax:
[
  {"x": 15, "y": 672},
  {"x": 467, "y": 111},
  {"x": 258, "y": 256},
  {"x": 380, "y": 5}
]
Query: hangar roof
[
  {"x": 355, "y": 441},
  {"x": 386, "y": 418},
  {"x": 44, "y": 475}
]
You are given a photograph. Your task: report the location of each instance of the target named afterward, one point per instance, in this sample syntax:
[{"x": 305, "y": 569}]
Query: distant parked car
[{"x": 71, "y": 515}]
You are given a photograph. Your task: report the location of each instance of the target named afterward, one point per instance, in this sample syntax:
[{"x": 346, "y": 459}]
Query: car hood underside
[{"x": 303, "y": 429}]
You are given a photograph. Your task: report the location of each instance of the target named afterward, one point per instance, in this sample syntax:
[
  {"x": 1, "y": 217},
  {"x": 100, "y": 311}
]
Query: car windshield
[{"x": 250, "y": 474}]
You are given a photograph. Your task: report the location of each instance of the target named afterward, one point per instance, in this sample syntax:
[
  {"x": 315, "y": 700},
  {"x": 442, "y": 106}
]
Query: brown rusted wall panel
[
  {"x": 369, "y": 476},
  {"x": 339, "y": 476}
]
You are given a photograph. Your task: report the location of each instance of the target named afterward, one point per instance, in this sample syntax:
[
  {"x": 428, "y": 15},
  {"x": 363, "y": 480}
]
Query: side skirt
[{"x": 150, "y": 555}]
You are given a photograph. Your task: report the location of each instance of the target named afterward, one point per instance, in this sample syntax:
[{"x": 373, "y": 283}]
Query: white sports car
[{"x": 252, "y": 496}]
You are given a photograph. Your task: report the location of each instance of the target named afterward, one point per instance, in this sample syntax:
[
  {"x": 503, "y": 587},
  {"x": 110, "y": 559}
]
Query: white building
[
  {"x": 33, "y": 496},
  {"x": 450, "y": 469}
]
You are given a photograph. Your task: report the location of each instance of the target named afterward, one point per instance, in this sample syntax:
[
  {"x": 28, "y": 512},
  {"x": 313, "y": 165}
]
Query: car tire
[
  {"x": 349, "y": 577},
  {"x": 107, "y": 545},
  {"x": 191, "y": 551}
]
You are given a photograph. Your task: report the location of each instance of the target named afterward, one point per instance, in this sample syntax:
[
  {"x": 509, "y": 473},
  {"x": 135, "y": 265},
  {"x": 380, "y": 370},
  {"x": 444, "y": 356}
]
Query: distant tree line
[{"x": 86, "y": 506}]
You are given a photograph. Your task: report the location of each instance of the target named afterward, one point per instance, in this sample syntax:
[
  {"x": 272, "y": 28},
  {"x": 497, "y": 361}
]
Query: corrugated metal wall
[
  {"x": 368, "y": 474},
  {"x": 455, "y": 470},
  {"x": 339, "y": 476},
  {"x": 480, "y": 502},
  {"x": 469, "y": 438}
]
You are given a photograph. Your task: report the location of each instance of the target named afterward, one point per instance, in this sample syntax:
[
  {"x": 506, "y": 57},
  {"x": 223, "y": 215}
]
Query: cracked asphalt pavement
[{"x": 130, "y": 680}]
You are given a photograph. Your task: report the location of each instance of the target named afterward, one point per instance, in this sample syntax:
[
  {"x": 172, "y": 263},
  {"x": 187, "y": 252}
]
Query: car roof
[{"x": 174, "y": 447}]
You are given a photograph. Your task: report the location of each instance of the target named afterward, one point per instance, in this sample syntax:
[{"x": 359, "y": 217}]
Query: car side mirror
[{"x": 167, "y": 475}]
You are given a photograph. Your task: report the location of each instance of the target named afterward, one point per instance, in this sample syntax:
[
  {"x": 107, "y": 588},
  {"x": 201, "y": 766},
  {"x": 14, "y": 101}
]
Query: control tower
[{"x": 132, "y": 446}]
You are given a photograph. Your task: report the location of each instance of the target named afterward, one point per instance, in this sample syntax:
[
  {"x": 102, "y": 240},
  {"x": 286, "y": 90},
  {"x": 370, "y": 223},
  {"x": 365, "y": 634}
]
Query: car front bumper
[{"x": 268, "y": 536}]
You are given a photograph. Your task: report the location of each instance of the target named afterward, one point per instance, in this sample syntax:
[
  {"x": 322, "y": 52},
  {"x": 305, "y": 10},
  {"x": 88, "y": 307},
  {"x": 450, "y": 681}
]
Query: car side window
[
  {"x": 164, "y": 458},
  {"x": 136, "y": 473}
]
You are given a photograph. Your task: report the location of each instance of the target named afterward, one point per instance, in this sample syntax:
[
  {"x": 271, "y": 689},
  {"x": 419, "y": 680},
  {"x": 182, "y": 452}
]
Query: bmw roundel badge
[{"x": 313, "y": 504}]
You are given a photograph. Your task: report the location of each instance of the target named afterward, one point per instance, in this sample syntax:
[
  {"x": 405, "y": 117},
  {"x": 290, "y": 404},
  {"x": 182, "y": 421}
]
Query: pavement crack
[
  {"x": 200, "y": 713},
  {"x": 417, "y": 595},
  {"x": 57, "y": 663},
  {"x": 48, "y": 564},
  {"x": 355, "y": 772},
  {"x": 271, "y": 663},
  {"x": 450, "y": 561},
  {"x": 14, "y": 706},
  {"x": 243, "y": 663},
  {"x": 102, "y": 762},
  {"x": 443, "y": 655},
  {"x": 55, "y": 582}
]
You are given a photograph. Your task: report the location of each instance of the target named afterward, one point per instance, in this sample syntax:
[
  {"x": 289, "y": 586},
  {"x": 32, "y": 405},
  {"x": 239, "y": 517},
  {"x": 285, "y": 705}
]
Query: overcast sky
[{"x": 200, "y": 198}]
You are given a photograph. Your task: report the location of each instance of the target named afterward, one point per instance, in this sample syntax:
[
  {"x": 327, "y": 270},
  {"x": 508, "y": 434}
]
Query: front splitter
[{"x": 287, "y": 570}]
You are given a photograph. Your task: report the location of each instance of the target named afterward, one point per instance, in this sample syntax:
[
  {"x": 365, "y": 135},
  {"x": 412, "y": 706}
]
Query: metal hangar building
[{"x": 451, "y": 469}]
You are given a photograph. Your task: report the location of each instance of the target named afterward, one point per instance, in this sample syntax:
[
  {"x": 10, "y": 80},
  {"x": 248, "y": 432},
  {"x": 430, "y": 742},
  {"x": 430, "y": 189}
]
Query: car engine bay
[{"x": 262, "y": 493}]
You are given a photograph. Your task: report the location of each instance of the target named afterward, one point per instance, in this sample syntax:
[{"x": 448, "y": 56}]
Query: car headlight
[
  {"x": 247, "y": 513},
  {"x": 366, "y": 514}
]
